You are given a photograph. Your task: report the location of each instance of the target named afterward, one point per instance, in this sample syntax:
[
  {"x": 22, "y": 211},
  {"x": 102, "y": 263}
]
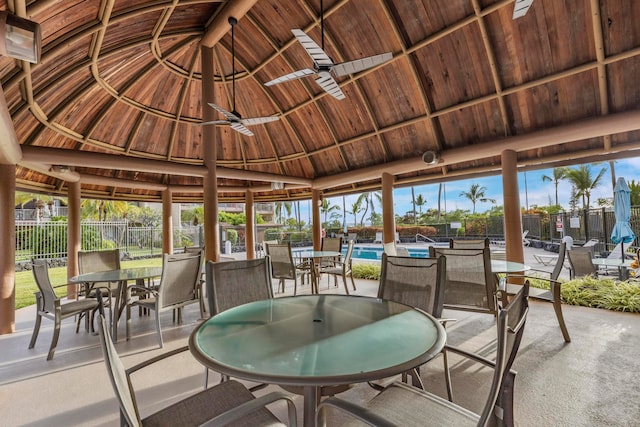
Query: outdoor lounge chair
[
  {"x": 400, "y": 404},
  {"x": 49, "y": 305},
  {"x": 228, "y": 402}
]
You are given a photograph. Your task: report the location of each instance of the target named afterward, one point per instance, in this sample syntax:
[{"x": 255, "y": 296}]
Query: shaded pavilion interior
[{"x": 111, "y": 110}]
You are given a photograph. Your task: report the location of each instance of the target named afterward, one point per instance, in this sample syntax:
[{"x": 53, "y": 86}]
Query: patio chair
[
  {"x": 332, "y": 244},
  {"x": 616, "y": 253},
  {"x": 343, "y": 269},
  {"x": 95, "y": 262},
  {"x": 468, "y": 244},
  {"x": 179, "y": 286},
  {"x": 49, "y": 305},
  {"x": 400, "y": 404},
  {"x": 228, "y": 402},
  {"x": 525, "y": 241},
  {"x": 470, "y": 284},
  {"x": 282, "y": 265},
  {"x": 419, "y": 283},
  {"x": 580, "y": 263},
  {"x": 552, "y": 295},
  {"x": 378, "y": 238}
]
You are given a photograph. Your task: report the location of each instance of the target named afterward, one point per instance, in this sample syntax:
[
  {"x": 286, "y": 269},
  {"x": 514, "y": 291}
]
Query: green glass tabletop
[
  {"x": 318, "y": 339},
  {"x": 118, "y": 275}
]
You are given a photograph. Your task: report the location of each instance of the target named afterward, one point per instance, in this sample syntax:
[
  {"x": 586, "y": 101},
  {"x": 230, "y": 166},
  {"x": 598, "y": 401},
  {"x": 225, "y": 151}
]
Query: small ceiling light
[
  {"x": 19, "y": 38},
  {"x": 277, "y": 185}
]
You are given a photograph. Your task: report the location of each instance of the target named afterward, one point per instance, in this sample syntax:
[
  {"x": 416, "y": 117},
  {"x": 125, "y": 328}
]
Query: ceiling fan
[
  {"x": 233, "y": 118},
  {"x": 324, "y": 67}
]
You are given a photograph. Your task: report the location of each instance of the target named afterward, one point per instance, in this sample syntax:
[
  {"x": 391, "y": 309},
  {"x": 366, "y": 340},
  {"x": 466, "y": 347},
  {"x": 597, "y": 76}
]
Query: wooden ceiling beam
[{"x": 220, "y": 24}]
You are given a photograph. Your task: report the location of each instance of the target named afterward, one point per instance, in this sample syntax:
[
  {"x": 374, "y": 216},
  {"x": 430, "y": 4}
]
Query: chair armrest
[
  {"x": 142, "y": 289},
  {"x": 156, "y": 359},
  {"x": 356, "y": 411},
  {"x": 253, "y": 405}
]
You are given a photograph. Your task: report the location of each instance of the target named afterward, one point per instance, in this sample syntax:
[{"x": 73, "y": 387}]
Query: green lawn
[{"x": 26, "y": 284}]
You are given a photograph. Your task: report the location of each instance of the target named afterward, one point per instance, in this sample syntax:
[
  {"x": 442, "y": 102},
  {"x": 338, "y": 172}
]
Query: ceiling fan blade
[
  {"x": 521, "y": 8},
  {"x": 330, "y": 86},
  {"x": 213, "y": 122},
  {"x": 358, "y": 65},
  {"x": 258, "y": 120},
  {"x": 240, "y": 128},
  {"x": 315, "y": 52},
  {"x": 227, "y": 114},
  {"x": 291, "y": 76}
]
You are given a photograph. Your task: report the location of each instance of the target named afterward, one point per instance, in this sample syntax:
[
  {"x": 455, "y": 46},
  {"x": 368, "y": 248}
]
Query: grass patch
[{"x": 26, "y": 284}]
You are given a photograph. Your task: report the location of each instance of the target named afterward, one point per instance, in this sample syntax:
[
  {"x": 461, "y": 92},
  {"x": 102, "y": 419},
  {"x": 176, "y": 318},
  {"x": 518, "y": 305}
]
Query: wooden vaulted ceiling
[{"x": 121, "y": 80}]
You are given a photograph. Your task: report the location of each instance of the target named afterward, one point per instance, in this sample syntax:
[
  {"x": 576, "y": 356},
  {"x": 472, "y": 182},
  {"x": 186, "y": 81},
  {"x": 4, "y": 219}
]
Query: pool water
[{"x": 374, "y": 253}]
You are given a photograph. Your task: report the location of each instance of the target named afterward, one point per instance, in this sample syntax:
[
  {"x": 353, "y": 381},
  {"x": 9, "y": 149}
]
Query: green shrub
[
  {"x": 602, "y": 293},
  {"x": 232, "y": 236},
  {"x": 366, "y": 271}
]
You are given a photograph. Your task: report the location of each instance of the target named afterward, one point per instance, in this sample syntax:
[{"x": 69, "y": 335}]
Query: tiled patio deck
[{"x": 592, "y": 381}]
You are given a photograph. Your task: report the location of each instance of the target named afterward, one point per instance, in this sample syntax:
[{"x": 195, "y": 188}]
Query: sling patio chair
[
  {"x": 470, "y": 285},
  {"x": 179, "y": 286},
  {"x": 49, "y": 305},
  {"x": 283, "y": 266},
  {"x": 343, "y": 269},
  {"x": 468, "y": 244},
  {"x": 419, "y": 283},
  {"x": 226, "y": 403},
  {"x": 330, "y": 244},
  {"x": 553, "y": 294},
  {"x": 581, "y": 264},
  {"x": 400, "y": 404},
  {"x": 98, "y": 261}
]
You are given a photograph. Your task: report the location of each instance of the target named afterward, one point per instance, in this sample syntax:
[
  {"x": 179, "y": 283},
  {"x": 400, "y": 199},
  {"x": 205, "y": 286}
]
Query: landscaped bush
[{"x": 603, "y": 293}]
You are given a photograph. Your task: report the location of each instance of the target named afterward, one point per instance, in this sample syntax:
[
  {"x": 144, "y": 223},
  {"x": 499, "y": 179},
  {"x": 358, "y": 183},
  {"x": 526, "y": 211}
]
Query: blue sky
[{"x": 537, "y": 192}]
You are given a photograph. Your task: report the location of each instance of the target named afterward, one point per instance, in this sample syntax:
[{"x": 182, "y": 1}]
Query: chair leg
[
  {"x": 344, "y": 281},
  {"x": 557, "y": 307},
  {"x": 158, "y": 327},
  {"x": 447, "y": 375},
  {"x": 36, "y": 329},
  {"x": 353, "y": 284},
  {"x": 54, "y": 339}
]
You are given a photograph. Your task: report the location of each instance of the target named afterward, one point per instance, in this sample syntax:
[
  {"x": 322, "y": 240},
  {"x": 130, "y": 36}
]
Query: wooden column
[
  {"x": 388, "y": 214},
  {"x": 250, "y": 227},
  {"x": 512, "y": 214},
  {"x": 316, "y": 226},
  {"x": 8, "y": 252},
  {"x": 167, "y": 222},
  {"x": 74, "y": 239},
  {"x": 209, "y": 155}
]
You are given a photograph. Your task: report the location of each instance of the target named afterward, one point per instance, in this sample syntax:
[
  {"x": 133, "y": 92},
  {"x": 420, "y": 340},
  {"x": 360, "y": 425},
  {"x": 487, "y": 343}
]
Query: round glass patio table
[
  {"x": 317, "y": 340},
  {"x": 122, "y": 276},
  {"x": 312, "y": 259}
]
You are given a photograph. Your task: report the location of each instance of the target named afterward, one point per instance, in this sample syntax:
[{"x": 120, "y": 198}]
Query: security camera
[{"x": 430, "y": 157}]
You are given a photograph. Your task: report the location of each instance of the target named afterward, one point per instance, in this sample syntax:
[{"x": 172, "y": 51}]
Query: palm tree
[
  {"x": 558, "y": 175},
  {"x": 584, "y": 182},
  {"x": 363, "y": 199},
  {"x": 420, "y": 202},
  {"x": 476, "y": 193},
  {"x": 280, "y": 206},
  {"x": 355, "y": 209},
  {"x": 413, "y": 201},
  {"x": 327, "y": 208}
]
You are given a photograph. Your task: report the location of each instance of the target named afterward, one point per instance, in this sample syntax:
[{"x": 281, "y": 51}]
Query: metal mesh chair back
[
  {"x": 511, "y": 321},
  {"x": 282, "y": 265},
  {"x": 580, "y": 262},
  {"x": 331, "y": 244},
  {"x": 469, "y": 284},
  {"x": 180, "y": 279},
  {"x": 418, "y": 282},
  {"x": 557, "y": 269},
  {"x": 96, "y": 261},
  {"x": 233, "y": 283},
  {"x": 468, "y": 244},
  {"x": 118, "y": 377},
  {"x": 41, "y": 275}
]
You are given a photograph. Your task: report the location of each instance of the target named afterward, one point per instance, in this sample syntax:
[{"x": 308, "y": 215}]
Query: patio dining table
[
  {"x": 317, "y": 340},
  {"x": 122, "y": 276},
  {"x": 312, "y": 259}
]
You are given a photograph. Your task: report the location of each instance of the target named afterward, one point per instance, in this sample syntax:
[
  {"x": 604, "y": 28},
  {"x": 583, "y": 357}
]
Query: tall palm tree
[
  {"x": 558, "y": 175},
  {"x": 327, "y": 208},
  {"x": 363, "y": 199},
  {"x": 280, "y": 207},
  {"x": 413, "y": 201},
  {"x": 440, "y": 188},
  {"x": 477, "y": 193},
  {"x": 584, "y": 182},
  {"x": 420, "y": 202}
]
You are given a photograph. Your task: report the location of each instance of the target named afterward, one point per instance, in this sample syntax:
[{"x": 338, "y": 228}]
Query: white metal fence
[{"x": 37, "y": 239}]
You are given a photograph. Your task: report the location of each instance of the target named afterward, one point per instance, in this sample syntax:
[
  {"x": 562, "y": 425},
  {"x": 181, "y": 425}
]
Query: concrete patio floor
[{"x": 592, "y": 381}]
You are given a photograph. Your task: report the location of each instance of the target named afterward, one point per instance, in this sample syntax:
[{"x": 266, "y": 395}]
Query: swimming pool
[{"x": 374, "y": 253}]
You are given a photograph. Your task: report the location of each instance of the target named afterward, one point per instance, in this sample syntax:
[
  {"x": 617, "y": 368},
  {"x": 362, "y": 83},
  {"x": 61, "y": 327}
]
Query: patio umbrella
[{"x": 622, "y": 231}]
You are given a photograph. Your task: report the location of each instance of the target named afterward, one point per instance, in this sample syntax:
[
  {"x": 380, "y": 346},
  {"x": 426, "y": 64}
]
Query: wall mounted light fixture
[{"x": 19, "y": 37}]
